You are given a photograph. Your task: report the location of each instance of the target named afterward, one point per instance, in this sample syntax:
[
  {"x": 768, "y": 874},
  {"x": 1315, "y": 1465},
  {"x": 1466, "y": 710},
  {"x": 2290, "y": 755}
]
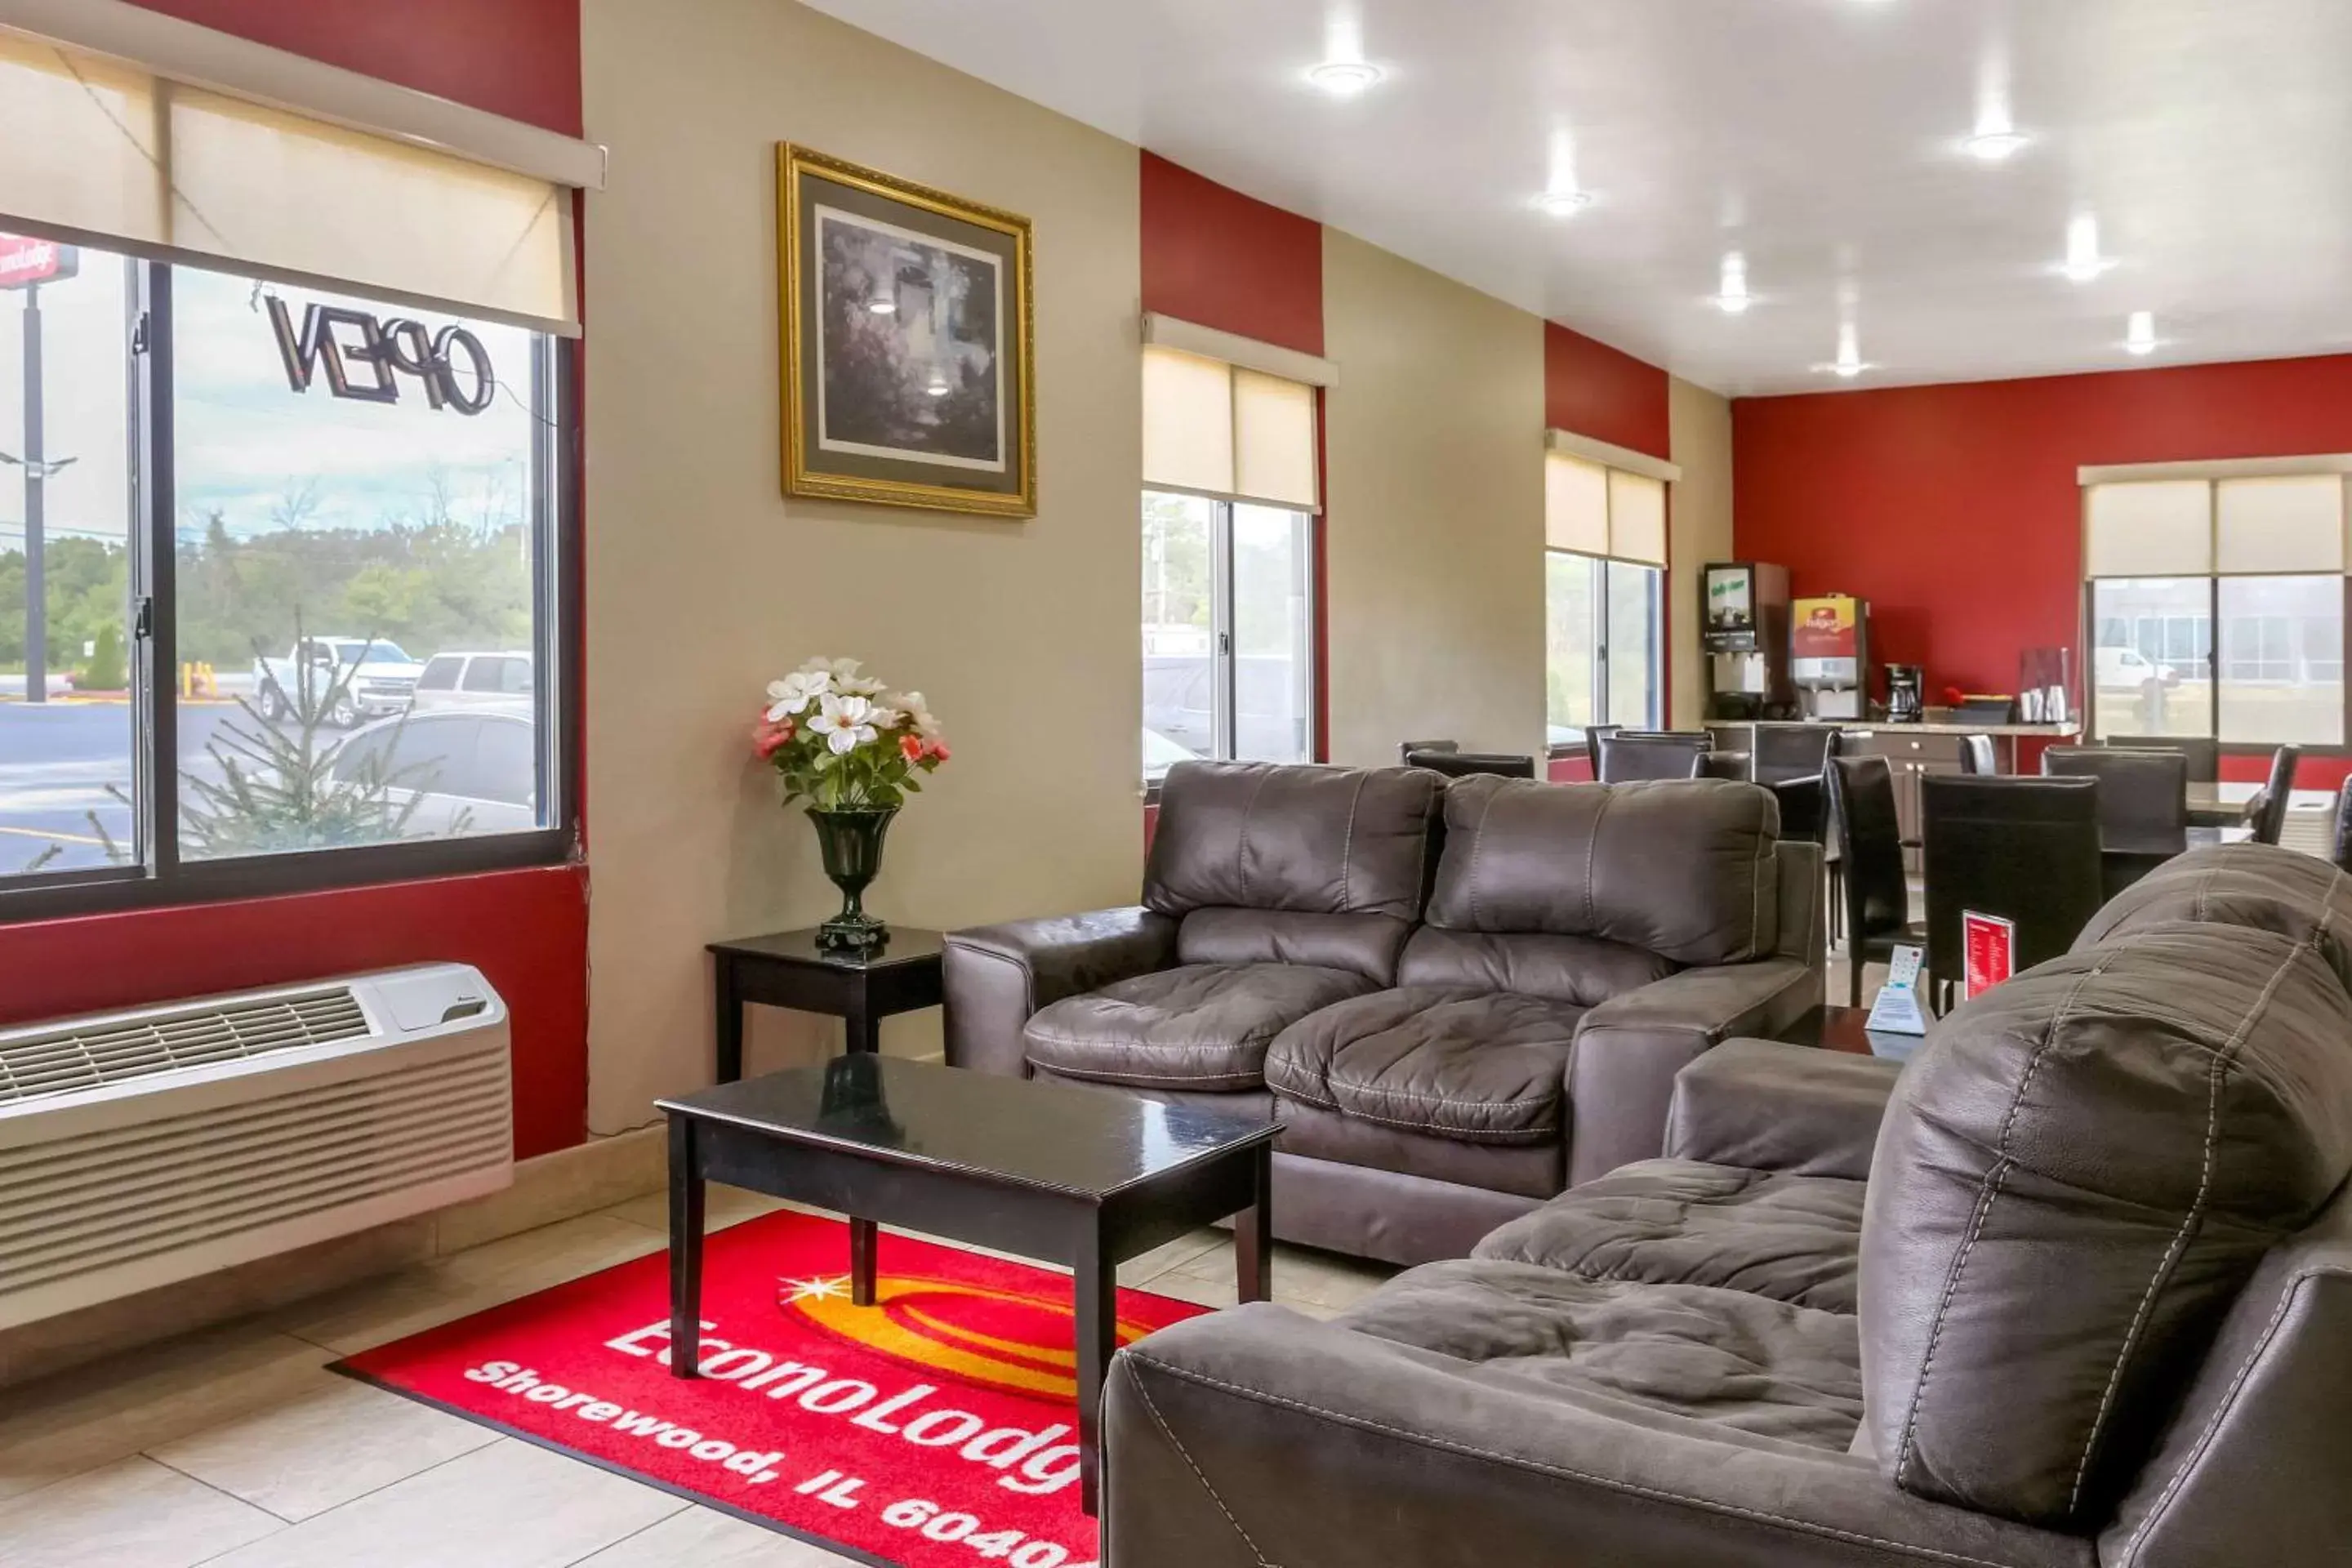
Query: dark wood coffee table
[{"x": 1056, "y": 1172}]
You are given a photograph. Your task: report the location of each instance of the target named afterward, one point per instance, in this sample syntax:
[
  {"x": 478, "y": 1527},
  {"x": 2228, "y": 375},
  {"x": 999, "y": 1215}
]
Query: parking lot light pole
[{"x": 37, "y": 598}]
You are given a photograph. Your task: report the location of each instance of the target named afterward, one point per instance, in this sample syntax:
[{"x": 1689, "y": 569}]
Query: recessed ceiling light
[
  {"x": 2084, "y": 261},
  {"x": 1563, "y": 204},
  {"x": 1848, "y": 363},
  {"x": 1993, "y": 146},
  {"x": 2139, "y": 332},
  {"x": 1345, "y": 79},
  {"x": 1732, "y": 296}
]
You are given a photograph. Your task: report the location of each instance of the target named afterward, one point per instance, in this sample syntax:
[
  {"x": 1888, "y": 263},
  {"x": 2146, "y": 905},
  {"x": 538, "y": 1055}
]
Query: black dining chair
[
  {"x": 2266, "y": 813},
  {"x": 2025, "y": 850},
  {"x": 1593, "y": 735},
  {"x": 2143, "y": 806},
  {"x": 2203, "y": 753},
  {"x": 1629, "y": 755},
  {"x": 1978, "y": 758},
  {"x": 2343, "y": 826},
  {"x": 1805, "y": 807},
  {"x": 1462, "y": 765},
  {"x": 1720, "y": 765},
  {"x": 1405, "y": 749},
  {"x": 1869, "y": 837}
]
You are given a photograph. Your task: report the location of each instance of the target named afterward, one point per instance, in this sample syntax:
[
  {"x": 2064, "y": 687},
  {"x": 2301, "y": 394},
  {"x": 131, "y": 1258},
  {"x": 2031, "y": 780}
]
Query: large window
[
  {"x": 1229, "y": 518},
  {"x": 1604, "y": 589},
  {"x": 239, "y": 522},
  {"x": 2216, "y": 607}
]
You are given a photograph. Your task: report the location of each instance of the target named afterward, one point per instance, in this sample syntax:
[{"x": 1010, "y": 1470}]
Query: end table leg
[
  {"x": 1096, "y": 1280},
  {"x": 1253, "y": 1233},
  {"x": 861, "y": 1262},
  {"x": 685, "y": 1250},
  {"x": 730, "y": 1022},
  {"x": 861, "y": 1031}
]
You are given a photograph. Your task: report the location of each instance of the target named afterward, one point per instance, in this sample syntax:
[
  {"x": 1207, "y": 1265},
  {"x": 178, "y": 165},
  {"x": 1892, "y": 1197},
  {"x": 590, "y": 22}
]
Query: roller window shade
[
  {"x": 2161, "y": 528},
  {"x": 1576, "y": 505},
  {"x": 1637, "y": 518},
  {"x": 91, "y": 149},
  {"x": 1216, "y": 429},
  {"x": 2283, "y": 524}
]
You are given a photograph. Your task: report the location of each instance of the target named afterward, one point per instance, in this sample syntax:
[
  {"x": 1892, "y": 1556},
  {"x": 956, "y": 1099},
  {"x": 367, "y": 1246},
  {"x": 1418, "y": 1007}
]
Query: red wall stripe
[
  {"x": 515, "y": 57},
  {"x": 527, "y": 931},
  {"x": 1215, "y": 256},
  {"x": 1604, "y": 392},
  {"x": 1956, "y": 510}
]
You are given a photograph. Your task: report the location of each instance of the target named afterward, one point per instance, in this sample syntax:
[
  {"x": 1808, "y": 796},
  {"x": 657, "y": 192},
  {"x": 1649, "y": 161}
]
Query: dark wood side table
[
  {"x": 1843, "y": 1029},
  {"x": 788, "y": 969},
  {"x": 1062, "y": 1173}
]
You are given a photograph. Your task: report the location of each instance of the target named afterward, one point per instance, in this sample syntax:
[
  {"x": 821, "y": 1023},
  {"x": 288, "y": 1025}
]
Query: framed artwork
[{"x": 908, "y": 343}]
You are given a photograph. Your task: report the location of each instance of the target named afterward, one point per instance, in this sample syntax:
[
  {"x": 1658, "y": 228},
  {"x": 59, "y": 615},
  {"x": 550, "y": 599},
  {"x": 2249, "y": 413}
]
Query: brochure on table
[{"x": 1897, "y": 1010}]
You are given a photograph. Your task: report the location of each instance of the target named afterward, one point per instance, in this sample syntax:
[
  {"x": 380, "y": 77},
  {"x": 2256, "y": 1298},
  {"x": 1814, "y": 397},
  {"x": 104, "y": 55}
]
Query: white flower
[
  {"x": 796, "y": 692},
  {"x": 917, "y": 712},
  {"x": 836, "y": 668},
  {"x": 882, "y": 716},
  {"x": 858, "y": 685},
  {"x": 845, "y": 722}
]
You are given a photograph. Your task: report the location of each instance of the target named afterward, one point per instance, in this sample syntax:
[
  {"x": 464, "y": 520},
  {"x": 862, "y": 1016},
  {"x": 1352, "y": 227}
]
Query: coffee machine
[
  {"x": 1829, "y": 655},
  {"x": 1906, "y": 687},
  {"x": 1744, "y": 632}
]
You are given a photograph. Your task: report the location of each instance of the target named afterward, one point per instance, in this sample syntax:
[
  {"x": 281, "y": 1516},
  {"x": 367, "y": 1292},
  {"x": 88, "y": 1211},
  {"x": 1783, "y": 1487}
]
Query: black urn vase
[{"x": 851, "y": 845}]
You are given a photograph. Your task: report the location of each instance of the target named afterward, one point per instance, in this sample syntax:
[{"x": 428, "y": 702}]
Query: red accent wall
[
  {"x": 1215, "y": 256},
  {"x": 1956, "y": 510},
  {"x": 515, "y": 57},
  {"x": 1604, "y": 392},
  {"x": 527, "y": 930}
]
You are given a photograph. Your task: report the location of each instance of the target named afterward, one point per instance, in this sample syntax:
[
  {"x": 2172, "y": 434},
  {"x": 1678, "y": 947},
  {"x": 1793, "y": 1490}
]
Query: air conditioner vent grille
[{"x": 65, "y": 1060}]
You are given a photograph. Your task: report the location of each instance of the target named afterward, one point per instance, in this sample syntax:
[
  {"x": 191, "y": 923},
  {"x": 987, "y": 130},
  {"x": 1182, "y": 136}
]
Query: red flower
[
  {"x": 937, "y": 749},
  {"x": 911, "y": 748},
  {"x": 768, "y": 739}
]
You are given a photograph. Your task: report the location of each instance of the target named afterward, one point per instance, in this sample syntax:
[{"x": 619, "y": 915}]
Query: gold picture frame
[{"x": 908, "y": 342}]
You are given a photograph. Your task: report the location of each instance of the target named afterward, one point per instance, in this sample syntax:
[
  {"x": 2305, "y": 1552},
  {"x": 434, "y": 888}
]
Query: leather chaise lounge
[
  {"x": 1458, "y": 999},
  {"x": 2074, "y": 1289}
]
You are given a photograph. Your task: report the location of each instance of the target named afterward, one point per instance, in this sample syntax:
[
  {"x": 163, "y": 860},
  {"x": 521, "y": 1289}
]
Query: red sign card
[
  {"x": 1991, "y": 943},
  {"x": 936, "y": 1429},
  {"x": 26, "y": 260}
]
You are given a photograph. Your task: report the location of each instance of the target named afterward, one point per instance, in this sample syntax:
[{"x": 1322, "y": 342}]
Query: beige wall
[
  {"x": 1434, "y": 452},
  {"x": 1699, "y": 429},
  {"x": 703, "y": 584}
]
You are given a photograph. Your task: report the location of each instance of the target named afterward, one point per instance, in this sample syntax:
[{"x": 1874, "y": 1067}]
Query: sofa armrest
[
  {"x": 997, "y": 977},
  {"x": 1766, "y": 1106},
  {"x": 1256, "y": 1436},
  {"x": 1628, "y": 1049}
]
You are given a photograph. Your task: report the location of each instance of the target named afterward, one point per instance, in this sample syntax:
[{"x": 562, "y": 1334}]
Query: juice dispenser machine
[
  {"x": 1744, "y": 632},
  {"x": 1829, "y": 653}
]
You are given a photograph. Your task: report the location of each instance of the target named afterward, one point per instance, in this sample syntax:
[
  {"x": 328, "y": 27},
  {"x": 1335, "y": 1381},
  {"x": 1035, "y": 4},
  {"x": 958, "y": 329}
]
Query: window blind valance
[
  {"x": 96, "y": 150},
  {"x": 2255, "y": 525},
  {"x": 1594, "y": 510},
  {"x": 1218, "y": 429}
]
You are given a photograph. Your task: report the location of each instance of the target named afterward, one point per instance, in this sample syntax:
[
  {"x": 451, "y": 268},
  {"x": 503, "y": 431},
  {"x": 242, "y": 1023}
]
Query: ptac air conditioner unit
[{"x": 142, "y": 1147}]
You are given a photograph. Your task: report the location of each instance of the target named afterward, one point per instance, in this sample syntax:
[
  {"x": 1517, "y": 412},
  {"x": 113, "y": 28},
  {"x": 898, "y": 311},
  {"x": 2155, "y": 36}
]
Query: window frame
[
  {"x": 1224, "y": 662},
  {"x": 1656, "y": 595},
  {"x": 158, "y": 878}
]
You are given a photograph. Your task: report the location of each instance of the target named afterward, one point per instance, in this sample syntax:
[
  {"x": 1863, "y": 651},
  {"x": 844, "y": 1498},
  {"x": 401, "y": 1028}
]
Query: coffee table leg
[
  {"x": 685, "y": 1250},
  {"x": 1253, "y": 1233},
  {"x": 1097, "y": 1283},
  {"x": 861, "y": 1262}
]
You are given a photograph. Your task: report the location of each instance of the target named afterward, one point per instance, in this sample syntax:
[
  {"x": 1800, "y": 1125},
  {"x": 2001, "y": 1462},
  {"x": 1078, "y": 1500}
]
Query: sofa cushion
[
  {"x": 1197, "y": 1027},
  {"x": 1316, "y": 840},
  {"x": 1523, "y": 1170},
  {"x": 1584, "y": 970},
  {"x": 2258, "y": 885},
  {"x": 1363, "y": 943},
  {"x": 1675, "y": 1222},
  {"x": 2077, "y": 1174},
  {"x": 1484, "y": 1066},
  {"x": 1740, "y": 1361},
  {"x": 1685, "y": 868}
]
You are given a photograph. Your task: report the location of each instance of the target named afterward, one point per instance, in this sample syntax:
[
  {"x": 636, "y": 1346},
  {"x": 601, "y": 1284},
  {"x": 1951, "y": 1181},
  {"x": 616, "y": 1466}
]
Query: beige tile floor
[{"x": 237, "y": 1447}]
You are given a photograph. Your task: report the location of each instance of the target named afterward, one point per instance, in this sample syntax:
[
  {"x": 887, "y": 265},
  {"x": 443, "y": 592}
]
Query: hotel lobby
[{"x": 1577, "y": 778}]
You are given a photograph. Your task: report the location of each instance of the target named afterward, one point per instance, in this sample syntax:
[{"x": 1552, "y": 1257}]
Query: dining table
[{"x": 2216, "y": 815}]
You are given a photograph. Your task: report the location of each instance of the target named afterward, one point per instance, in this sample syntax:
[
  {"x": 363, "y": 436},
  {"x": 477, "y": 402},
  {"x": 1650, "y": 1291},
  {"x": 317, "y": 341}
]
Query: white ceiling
[{"x": 2209, "y": 138}]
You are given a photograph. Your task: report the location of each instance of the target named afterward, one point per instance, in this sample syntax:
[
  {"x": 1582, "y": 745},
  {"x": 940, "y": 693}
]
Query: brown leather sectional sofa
[
  {"x": 2074, "y": 1289},
  {"x": 1459, "y": 999}
]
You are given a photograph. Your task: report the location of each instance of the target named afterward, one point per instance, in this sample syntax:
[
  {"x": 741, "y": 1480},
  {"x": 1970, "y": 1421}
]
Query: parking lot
[{"x": 57, "y": 762}]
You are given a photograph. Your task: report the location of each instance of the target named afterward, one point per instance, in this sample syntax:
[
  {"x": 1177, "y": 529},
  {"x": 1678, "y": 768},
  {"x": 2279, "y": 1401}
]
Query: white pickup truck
[{"x": 382, "y": 679}]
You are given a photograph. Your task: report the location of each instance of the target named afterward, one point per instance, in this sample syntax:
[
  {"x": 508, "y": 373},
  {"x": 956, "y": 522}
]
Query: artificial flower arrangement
[{"x": 853, "y": 750}]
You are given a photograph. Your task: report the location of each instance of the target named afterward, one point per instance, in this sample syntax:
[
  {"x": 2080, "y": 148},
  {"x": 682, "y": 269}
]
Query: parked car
[
  {"x": 503, "y": 681},
  {"x": 468, "y": 771},
  {"x": 2127, "y": 667},
  {"x": 383, "y": 678}
]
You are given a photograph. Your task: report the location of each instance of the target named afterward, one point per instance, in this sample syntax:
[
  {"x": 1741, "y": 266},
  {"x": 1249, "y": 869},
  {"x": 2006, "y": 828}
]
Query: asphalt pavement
[{"x": 59, "y": 760}]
